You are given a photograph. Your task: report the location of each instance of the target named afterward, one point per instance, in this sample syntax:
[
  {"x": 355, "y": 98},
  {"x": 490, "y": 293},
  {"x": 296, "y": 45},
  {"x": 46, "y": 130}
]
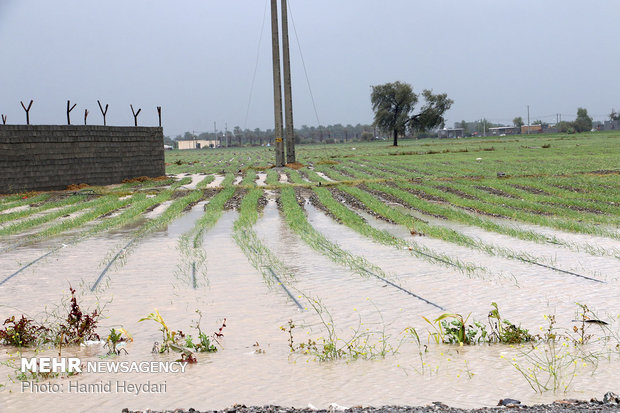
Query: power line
[
  {"x": 260, "y": 39},
  {"x": 316, "y": 113}
]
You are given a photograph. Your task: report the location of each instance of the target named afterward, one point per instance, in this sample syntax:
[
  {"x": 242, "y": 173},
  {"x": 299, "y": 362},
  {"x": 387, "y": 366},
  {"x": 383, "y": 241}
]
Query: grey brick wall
[{"x": 40, "y": 157}]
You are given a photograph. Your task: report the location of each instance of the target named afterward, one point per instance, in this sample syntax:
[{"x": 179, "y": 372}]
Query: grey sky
[{"x": 196, "y": 58}]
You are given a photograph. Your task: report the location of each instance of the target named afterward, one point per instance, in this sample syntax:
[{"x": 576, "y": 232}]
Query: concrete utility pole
[
  {"x": 288, "y": 97},
  {"x": 277, "y": 87},
  {"x": 528, "y": 119}
]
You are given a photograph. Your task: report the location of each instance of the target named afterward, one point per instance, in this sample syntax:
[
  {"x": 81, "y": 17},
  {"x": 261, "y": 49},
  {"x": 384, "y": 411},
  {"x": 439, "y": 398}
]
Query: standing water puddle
[{"x": 152, "y": 278}]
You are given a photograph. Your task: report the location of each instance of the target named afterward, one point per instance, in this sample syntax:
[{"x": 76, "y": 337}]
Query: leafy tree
[
  {"x": 431, "y": 115},
  {"x": 565, "y": 127},
  {"x": 544, "y": 125},
  {"x": 169, "y": 141},
  {"x": 583, "y": 122},
  {"x": 463, "y": 125},
  {"x": 393, "y": 104},
  {"x": 518, "y": 122},
  {"x": 367, "y": 136},
  {"x": 614, "y": 115}
]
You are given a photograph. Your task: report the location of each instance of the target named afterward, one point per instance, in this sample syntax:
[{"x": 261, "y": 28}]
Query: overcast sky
[{"x": 197, "y": 58}]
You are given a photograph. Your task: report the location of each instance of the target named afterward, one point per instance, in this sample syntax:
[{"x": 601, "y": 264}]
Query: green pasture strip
[
  {"x": 297, "y": 221},
  {"x": 273, "y": 177},
  {"x": 249, "y": 179},
  {"x": 153, "y": 183},
  {"x": 557, "y": 223},
  {"x": 596, "y": 211},
  {"x": 228, "y": 180},
  {"x": 595, "y": 197},
  {"x": 313, "y": 176},
  {"x": 568, "y": 222},
  {"x": 596, "y": 201},
  {"x": 273, "y": 270},
  {"x": 35, "y": 221},
  {"x": 458, "y": 215},
  {"x": 564, "y": 187},
  {"x": 576, "y": 186},
  {"x": 10, "y": 198},
  {"x": 17, "y": 201},
  {"x": 205, "y": 182},
  {"x": 527, "y": 202},
  {"x": 357, "y": 223},
  {"x": 73, "y": 199},
  {"x": 295, "y": 177}
]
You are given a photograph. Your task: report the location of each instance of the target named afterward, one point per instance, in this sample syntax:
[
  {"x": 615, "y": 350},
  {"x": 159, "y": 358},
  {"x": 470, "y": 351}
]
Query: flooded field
[{"x": 328, "y": 284}]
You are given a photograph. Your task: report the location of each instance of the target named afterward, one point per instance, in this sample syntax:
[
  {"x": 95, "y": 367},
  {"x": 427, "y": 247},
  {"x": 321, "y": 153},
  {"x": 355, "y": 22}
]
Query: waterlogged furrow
[
  {"x": 74, "y": 199},
  {"x": 104, "y": 208},
  {"x": 563, "y": 200},
  {"x": 587, "y": 207},
  {"x": 557, "y": 223},
  {"x": 296, "y": 219},
  {"x": 21, "y": 200},
  {"x": 35, "y": 221},
  {"x": 295, "y": 177},
  {"x": 524, "y": 204},
  {"x": 357, "y": 223},
  {"x": 273, "y": 270},
  {"x": 567, "y": 189},
  {"x": 212, "y": 213},
  {"x": 273, "y": 177},
  {"x": 448, "y": 234},
  {"x": 298, "y": 222},
  {"x": 206, "y": 181}
]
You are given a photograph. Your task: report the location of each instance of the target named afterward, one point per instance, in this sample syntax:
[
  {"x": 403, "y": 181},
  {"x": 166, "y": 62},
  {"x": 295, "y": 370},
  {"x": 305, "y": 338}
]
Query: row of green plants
[
  {"x": 570, "y": 223},
  {"x": 19, "y": 200},
  {"x": 193, "y": 261},
  {"x": 273, "y": 270},
  {"x": 419, "y": 227},
  {"x": 298, "y": 222},
  {"x": 351, "y": 219},
  {"x": 523, "y": 199}
]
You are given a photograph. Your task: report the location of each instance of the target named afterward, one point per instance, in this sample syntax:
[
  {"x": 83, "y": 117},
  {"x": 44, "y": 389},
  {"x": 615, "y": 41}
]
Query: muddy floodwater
[{"x": 255, "y": 366}]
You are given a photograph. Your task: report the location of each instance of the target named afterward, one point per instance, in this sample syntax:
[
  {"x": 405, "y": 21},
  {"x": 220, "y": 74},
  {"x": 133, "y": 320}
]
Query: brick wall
[{"x": 39, "y": 157}]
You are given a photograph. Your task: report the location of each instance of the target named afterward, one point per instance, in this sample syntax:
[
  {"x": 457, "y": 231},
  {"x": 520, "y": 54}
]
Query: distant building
[
  {"x": 504, "y": 130},
  {"x": 451, "y": 133},
  {"x": 611, "y": 125},
  {"x": 531, "y": 129},
  {"x": 197, "y": 144}
]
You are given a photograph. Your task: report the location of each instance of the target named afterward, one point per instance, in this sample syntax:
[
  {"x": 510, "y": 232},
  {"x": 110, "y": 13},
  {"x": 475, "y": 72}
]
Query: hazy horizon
[{"x": 196, "y": 59}]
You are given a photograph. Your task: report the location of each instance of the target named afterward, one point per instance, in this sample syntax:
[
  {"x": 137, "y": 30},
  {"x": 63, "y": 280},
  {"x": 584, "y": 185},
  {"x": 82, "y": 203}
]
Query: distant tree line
[{"x": 337, "y": 133}]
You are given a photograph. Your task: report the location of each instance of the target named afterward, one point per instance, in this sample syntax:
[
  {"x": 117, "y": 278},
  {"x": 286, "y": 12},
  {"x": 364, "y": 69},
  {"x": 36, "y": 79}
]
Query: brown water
[{"x": 151, "y": 277}]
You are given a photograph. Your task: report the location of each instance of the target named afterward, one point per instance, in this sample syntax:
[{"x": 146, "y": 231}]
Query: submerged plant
[
  {"x": 361, "y": 344},
  {"x": 453, "y": 329},
  {"x": 21, "y": 333},
  {"x": 184, "y": 343},
  {"x": 503, "y": 331},
  {"x": 114, "y": 340},
  {"x": 169, "y": 337},
  {"x": 78, "y": 326}
]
